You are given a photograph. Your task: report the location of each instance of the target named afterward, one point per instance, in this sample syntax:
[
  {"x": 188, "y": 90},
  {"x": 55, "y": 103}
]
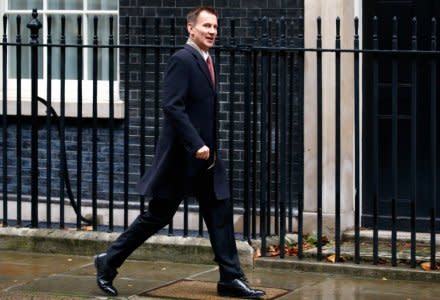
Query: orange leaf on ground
[
  {"x": 87, "y": 228},
  {"x": 426, "y": 266},
  {"x": 257, "y": 253},
  {"x": 331, "y": 258},
  {"x": 293, "y": 251}
]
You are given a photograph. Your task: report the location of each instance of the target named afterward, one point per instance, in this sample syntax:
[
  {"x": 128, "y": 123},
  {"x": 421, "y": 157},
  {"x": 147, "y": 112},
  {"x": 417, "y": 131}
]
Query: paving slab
[{"x": 28, "y": 276}]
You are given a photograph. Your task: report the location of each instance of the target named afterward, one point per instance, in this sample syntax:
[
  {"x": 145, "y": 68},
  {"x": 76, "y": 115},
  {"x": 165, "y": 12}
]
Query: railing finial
[{"x": 34, "y": 25}]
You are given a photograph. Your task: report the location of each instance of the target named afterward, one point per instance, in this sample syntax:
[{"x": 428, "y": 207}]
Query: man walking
[{"x": 186, "y": 163}]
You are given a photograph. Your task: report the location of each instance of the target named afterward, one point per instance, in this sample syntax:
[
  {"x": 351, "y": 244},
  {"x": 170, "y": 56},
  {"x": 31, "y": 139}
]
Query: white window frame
[{"x": 70, "y": 84}]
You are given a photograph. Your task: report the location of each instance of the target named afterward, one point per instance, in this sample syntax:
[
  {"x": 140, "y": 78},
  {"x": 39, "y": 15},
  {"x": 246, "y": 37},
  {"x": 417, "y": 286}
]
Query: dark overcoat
[{"x": 189, "y": 104}]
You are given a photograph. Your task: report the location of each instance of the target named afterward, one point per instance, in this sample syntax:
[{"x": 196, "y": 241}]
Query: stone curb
[
  {"x": 349, "y": 269},
  {"x": 191, "y": 250}
]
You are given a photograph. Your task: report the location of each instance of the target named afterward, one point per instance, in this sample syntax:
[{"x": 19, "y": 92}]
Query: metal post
[
  {"x": 357, "y": 144},
  {"x": 413, "y": 142},
  {"x": 394, "y": 143},
  {"x": 34, "y": 25},
  {"x": 5, "y": 122},
  {"x": 319, "y": 137},
  {"x": 338, "y": 141}
]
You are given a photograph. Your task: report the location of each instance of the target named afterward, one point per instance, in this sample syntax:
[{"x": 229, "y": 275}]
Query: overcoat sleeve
[{"x": 175, "y": 92}]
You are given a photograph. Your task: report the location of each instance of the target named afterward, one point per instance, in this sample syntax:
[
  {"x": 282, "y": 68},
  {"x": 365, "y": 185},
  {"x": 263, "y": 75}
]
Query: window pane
[
  {"x": 25, "y": 4},
  {"x": 25, "y": 50},
  {"x": 102, "y": 5},
  {"x": 71, "y": 53},
  {"x": 71, "y": 4},
  {"x": 103, "y": 53}
]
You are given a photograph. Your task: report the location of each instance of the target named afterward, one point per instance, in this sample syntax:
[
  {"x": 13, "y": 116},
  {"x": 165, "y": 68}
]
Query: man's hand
[{"x": 203, "y": 153}]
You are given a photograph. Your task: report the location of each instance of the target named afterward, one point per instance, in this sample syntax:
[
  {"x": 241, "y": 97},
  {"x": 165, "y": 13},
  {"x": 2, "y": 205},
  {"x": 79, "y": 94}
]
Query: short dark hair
[{"x": 192, "y": 16}]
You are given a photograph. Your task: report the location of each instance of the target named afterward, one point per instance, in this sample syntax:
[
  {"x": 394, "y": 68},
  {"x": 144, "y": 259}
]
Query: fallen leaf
[
  {"x": 293, "y": 251},
  {"x": 407, "y": 246},
  {"x": 331, "y": 258},
  {"x": 272, "y": 248},
  {"x": 426, "y": 266},
  {"x": 325, "y": 240},
  {"x": 87, "y": 228},
  {"x": 257, "y": 253}
]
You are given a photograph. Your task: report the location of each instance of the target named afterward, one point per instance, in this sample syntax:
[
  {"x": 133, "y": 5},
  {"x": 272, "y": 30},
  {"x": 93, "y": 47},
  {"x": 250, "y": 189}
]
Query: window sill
[
  {"x": 71, "y": 108},
  {"x": 71, "y": 102}
]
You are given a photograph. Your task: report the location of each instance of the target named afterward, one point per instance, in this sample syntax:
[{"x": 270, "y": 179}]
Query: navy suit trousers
[{"x": 218, "y": 217}]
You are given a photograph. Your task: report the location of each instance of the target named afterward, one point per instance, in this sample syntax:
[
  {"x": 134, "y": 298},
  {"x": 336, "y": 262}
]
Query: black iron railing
[{"x": 261, "y": 133}]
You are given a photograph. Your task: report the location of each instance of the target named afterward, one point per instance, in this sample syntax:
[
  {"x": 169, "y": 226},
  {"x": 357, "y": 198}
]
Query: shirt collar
[{"x": 204, "y": 54}]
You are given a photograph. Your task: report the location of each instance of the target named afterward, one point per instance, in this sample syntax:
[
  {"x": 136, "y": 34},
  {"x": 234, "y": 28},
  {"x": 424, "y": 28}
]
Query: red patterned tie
[{"x": 211, "y": 69}]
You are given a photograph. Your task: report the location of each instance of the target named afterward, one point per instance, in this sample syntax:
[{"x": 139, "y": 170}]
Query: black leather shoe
[
  {"x": 238, "y": 288},
  {"x": 105, "y": 275}
]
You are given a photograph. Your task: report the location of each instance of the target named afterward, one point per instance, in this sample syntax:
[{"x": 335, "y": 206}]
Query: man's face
[{"x": 204, "y": 30}]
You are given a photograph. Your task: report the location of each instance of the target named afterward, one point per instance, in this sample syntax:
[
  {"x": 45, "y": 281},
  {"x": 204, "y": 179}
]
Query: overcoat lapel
[{"x": 202, "y": 64}]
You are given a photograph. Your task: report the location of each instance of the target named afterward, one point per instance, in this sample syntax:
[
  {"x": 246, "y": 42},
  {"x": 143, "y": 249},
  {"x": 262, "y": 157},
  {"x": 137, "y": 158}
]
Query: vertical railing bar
[
  {"x": 142, "y": 140},
  {"x": 283, "y": 138},
  {"x": 292, "y": 138},
  {"x": 231, "y": 106},
  {"x": 293, "y": 117},
  {"x": 375, "y": 143},
  {"x": 356, "y": 145},
  {"x": 413, "y": 143},
  {"x": 338, "y": 142},
  {"x": 277, "y": 187},
  {"x": 49, "y": 126},
  {"x": 263, "y": 132},
  {"x": 433, "y": 262},
  {"x": 34, "y": 25},
  {"x": 301, "y": 137},
  {"x": 291, "y": 129},
  {"x": 185, "y": 216},
  {"x": 254, "y": 131},
  {"x": 62, "y": 117},
  {"x": 172, "y": 49},
  {"x": 19, "y": 128},
  {"x": 111, "y": 126},
  {"x": 247, "y": 145},
  {"x": 433, "y": 95},
  {"x": 95, "y": 125},
  {"x": 319, "y": 141},
  {"x": 5, "y": 122},
  {"x": 394, "y": 142},
  {"x": 126, "y": 116},
  {"x": 269, "y": 132},
  {"x": 156, "y": 79},
  {"x": 79, "y": 149},
  {"x": 200, "y": 234}
]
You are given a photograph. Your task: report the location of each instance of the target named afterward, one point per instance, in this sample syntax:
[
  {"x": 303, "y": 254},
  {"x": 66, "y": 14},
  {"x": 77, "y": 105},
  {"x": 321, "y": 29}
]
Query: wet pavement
[{"x": 44, "y": 277}]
